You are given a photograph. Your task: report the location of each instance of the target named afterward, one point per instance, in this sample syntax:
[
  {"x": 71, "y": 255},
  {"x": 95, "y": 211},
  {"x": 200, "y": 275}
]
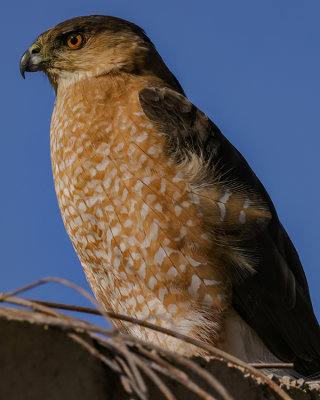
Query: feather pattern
[{"x": 274, "y": 298}]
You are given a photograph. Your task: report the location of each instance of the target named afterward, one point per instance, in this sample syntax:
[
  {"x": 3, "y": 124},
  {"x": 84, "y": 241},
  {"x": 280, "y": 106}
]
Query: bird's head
[{"x": 92, "y": 45}]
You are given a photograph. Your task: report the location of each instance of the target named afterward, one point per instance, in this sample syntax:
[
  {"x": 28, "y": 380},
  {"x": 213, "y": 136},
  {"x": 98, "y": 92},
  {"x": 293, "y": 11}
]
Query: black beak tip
[{"x": 24, "y": 63}]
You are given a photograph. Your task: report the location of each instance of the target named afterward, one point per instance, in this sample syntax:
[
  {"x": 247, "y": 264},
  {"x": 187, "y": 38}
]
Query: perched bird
[{"x": 168, "y": 220}]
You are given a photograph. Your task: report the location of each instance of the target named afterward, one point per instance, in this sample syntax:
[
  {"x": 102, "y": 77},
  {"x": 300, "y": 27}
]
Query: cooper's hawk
[{"x": 168, "y": 220}]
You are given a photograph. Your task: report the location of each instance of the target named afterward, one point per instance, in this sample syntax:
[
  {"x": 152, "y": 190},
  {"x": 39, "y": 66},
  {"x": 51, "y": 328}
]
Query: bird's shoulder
[{"x": 274, "y": 296}]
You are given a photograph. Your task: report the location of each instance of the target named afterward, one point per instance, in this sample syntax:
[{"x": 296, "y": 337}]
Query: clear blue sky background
[{"x": 252, "y": 66}]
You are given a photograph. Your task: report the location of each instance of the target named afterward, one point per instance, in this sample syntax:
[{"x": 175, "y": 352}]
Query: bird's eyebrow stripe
[{"x": 67, "y": 33}]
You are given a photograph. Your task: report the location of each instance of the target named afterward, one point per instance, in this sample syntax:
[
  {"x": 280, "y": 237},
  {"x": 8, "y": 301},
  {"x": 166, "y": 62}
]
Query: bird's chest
[{"x": 133, "y": 220}]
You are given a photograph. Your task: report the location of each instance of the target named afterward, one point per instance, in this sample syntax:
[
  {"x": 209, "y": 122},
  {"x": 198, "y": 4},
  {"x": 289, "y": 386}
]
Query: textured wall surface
[{"x": 38, "y": 362}]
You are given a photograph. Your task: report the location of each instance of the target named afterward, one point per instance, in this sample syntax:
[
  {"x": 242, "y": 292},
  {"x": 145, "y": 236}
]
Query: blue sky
[{"x": 252, "y": 66}]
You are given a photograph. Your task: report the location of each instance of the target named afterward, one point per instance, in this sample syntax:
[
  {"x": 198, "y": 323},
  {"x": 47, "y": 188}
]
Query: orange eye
[{"x": 74, "y": 40}]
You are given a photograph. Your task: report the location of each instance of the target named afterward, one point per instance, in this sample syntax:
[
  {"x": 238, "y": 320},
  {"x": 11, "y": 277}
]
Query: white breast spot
[
  {"x": 116, "y": 263},
  {"x": 103, "y": 165},
  {"x": 106, "y": 183},
  {"x": 82, "y": 207},
  {"x": 132, "y": 302},
  {"x": 211, "y": 282},
  {"x": 226, "y": 196},
  {"x": 153, "y": 150},
  {"x": 222, "y": 297},
  {"x": 207, "y": 300},
  {"x": 172, "y": 273},
  {"x": 141, "y": 138},
  {"x": 222, "y": 209},
  {"x": 135, "y": 256},
  {"x": 163, "y": 186},
  {"x": 142, "y": 270},
  {"x": 152, "y": 304},
  {"x": 195, "y": 284},
  {"x": 137, "y": 188},
  {"x": 151, "y": 198},
  {"x": 90, "y": 239},
  {"x": 124, "y": 194},
  {"x": 119, "y": 147},
  {"x": 172, "y": 308},
  {"x": 177, "y": 210},
  {"x": 190, "y": 222},
  {"x": 140, "y": 299},
  {"x": 158, "y": 207},
  {"x": 247, "y": 202},
  {"x": 193, "y": 262},
  {"x": 162, "y": 292},
  {"x": 128, "y": 223},
  {"x": 159, "y": 256},
  {"x": 78, "y": 221},
  {"x": 242, "y": 217},
  {"x": 144, "y": 211},
  {"x": 116, "y": 229},
  {"x": 178, "y": 177},
  {"x": 123, "y": 246},
  {"x": 99, "y": 213},
  {"x": 124, "y": 291}
]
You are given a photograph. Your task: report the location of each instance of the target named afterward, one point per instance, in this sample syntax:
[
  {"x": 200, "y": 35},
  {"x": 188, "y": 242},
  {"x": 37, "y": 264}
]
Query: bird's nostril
[{"x": 34, "y": 51}]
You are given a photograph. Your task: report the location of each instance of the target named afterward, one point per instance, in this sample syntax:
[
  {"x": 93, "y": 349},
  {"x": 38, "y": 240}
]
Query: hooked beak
[{"x": 30, "y": 63}]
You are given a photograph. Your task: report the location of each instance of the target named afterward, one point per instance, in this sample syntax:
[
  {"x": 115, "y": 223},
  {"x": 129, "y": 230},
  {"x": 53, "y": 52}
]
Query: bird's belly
[
  {"x": 137, "y": 229},
  {"x": 140, "y": 243}
]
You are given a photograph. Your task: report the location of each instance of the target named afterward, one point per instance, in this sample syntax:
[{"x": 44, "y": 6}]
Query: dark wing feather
[{"x": 275, "y": 300}]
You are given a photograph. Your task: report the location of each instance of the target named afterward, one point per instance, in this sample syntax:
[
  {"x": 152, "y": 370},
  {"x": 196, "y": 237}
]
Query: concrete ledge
[{"x": 41, "y": 362}]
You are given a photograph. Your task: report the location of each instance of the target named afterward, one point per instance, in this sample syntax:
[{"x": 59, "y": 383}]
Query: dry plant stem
[
  {"x": 272, "y": 365},
  {"x": 36, "y": 306},
  {"x": 56, "y": 280},
  {"x": 94, "y": 311},
  {"x": 140, "y": 388},
  {"x": 166, "y": 368},
  {"x": 127, "y": 355},
  {"x": 95, "y": 352},
  {"x": 182, "y": 361},
  {"x": 112, "y": 365},
  {"x": 158, "y": 382},
  {"x": 69, "y": 307},
  {"x": 54, "y": 319},
  {"x": 132, "y": 363},
  {"x": 65, "y": 323},
  {"x": 172, "y": 371},
  {"x": 209, "y": 348},
  {"x": 183, "y": 381},
  {"x": 73, "y": 336},
  {"x": 60, "y": 281},
  {"x": 208, "y": 377},
  {"x": 130, "y": 377},
  {"x": 146, "y": 324},
  {"x": 76, "y": 325},
  {"x": 162, "y": 362}
]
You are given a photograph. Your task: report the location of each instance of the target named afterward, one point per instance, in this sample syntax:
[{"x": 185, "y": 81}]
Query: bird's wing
[{"x": 274, "y": 300}]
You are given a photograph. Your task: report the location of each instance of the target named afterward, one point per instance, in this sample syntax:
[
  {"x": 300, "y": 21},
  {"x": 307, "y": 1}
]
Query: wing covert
[{"x": 274, "y": 300}]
